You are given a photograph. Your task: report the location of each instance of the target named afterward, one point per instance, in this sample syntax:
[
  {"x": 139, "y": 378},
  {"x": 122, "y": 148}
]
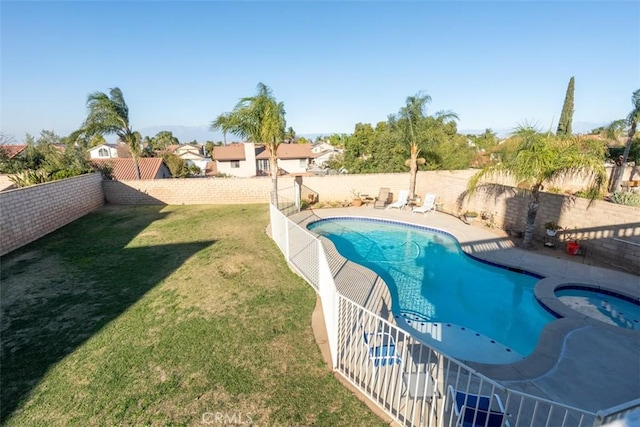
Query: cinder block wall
[
  {"x": 191, "y": 191},
  {"x": 26, "y": 214},
  {"x": 607, "y": 230}
]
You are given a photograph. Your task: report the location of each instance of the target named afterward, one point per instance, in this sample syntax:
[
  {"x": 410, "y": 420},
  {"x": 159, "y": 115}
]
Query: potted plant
[
  {"x": 356, "y": 200},
  {"x": 573, "y": 246},
  {"x": 551, "y": 228}
]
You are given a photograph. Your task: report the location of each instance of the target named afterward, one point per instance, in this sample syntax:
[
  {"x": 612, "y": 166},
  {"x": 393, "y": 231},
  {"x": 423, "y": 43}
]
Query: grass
[{"x": 177, "y": 315}]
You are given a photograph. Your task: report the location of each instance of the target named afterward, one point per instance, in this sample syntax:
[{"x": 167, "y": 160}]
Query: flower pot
[
  {"x": 356, "y": 203},
  {"x": 572, "y": 248},
  {"x": 551, "y": 232}
]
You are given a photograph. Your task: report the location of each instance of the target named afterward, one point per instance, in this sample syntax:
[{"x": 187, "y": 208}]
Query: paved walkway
[{"x": 578, "y": 361}]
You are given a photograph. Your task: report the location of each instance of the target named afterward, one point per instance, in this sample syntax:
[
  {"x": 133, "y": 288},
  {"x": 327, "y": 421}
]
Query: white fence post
[{"x": 329, "y": 298}]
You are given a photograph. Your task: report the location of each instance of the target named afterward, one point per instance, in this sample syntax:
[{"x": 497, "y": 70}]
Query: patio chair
[
  {"x": 420, "y": 385},
  {"x": 428, "y": 205},
  {"x": 403, "y": 197},
  {"x": 381, "y": 348},
  {"x": 474, "y": 410},
  {"x": 381, "y": 200}
]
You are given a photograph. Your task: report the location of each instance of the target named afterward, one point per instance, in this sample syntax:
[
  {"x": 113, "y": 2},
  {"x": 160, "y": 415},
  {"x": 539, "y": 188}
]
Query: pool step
[{"x": 457, "y": 341}]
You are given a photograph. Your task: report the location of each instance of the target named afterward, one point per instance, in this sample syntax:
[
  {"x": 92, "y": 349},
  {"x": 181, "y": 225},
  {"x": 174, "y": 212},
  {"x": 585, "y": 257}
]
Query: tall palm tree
[
  {"x": 259, "y": 119},
  {"x": 109, "y": 114},
  {"x": 632, "y": 121},
  {"x": 409, "y": 119},
  {"x": 542, "y": 158}
]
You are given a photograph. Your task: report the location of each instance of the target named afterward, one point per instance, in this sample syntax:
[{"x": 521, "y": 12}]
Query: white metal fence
[{"x": 414, "y": 384}]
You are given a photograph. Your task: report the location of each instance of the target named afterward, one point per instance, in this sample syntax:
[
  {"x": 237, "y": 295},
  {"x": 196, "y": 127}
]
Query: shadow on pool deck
[{"x": 579, "y": 361}]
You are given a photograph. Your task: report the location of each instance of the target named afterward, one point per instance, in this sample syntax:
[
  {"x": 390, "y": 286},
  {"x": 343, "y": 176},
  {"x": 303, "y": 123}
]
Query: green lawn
[{"x": 175, "y": 315}]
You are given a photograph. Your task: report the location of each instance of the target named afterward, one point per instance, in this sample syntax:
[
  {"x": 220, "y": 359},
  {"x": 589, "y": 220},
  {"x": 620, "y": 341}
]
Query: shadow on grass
[{"x": 62, "y": 289}]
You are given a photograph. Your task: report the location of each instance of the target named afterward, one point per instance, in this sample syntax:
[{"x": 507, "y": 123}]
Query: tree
[
  {"x": 541, "y": 158},
  {"x": 109, "y": 114},
  {"x": 43, "y": 161},
  {"x": 290, "y": 135},
  {"x": 260, "y": 119},
  {"x": 176, "y": 165},
  {"x": 162, "y": 140},
  {"x": 408, "y": 121},
  {"x": 223, "y": 122},
  {"x": 632, "y": 121},
  {"x": 566, "y": 117}
]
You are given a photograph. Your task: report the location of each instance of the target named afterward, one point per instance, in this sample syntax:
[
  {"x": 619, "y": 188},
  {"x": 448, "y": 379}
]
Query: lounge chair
[
  {"x": 402, "y": 200},
  {"x": 474, "y": 410},
  {"x": 382, "y": 198},
  {"x": 428, "y": 205},
  {"x": 381, "y": 349}
]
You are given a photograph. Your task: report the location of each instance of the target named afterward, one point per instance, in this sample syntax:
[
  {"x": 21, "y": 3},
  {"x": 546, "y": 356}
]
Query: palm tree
[
  {"x": 109, "y": 114},
  {"x": 632, "y": 121},
  {"x": 408, "y": 120},
  {"x": 224, "y": 123},
  {"x": 541, "y": 158},
  {"x": 260, "y": 119},
  {"x": 290, "y": 135}
]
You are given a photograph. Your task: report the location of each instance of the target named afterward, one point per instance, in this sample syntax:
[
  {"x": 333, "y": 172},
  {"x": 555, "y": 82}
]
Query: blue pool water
[
  {"x": 601, "y": 306},
  {"x": 486, "y": 313}
]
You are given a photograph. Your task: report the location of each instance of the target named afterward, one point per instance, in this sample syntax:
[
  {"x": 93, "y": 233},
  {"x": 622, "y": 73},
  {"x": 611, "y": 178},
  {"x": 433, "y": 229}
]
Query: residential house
[
  {"x": 123, "y": 169},
  {"x": 237, "y": 159},
  {"x": 193, "y": 155},
  {"x": 248, "y": 159},
  {"x": 13, "y": 150},
  {"x": 292, "y": 159},
  {"x": 323, "y": 152},
  {"x": 104, "y": 151}
]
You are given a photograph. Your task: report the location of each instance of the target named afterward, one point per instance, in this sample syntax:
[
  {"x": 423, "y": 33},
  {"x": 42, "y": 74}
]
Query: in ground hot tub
[{"x": 601, "y": 304}]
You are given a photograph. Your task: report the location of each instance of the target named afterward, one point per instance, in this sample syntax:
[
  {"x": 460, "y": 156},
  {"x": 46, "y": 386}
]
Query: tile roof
[
  {"x": 123, "y": 168},
  {"x": 288, "y": 151},
  {"x": 12, "y": 150},
  {"x": 229, "y": 152}
]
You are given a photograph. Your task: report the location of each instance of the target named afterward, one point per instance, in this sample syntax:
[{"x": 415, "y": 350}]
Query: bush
[
  {"x": 552, "y": 226},
  {"x": 625, "y": 198}
]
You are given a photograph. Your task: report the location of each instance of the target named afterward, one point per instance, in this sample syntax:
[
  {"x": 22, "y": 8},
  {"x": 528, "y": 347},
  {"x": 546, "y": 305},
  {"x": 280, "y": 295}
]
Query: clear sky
[{"x": 333, "y": 63}]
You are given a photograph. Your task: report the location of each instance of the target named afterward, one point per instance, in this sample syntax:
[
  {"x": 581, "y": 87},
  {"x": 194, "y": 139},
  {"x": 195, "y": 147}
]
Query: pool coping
[{"x": 552, "y": 339}]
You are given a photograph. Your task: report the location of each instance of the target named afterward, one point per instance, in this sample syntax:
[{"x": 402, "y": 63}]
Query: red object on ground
[{"x": 572, "y": 248}]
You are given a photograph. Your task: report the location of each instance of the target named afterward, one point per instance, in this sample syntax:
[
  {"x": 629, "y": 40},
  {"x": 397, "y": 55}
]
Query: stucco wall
[{"x": 26, "y": 214}]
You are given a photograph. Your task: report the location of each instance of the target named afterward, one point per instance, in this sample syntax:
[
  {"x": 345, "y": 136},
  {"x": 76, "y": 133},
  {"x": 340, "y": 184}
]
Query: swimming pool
[
  {"x": 602, "y": 305},
  {"x": 467, "y": 308}
]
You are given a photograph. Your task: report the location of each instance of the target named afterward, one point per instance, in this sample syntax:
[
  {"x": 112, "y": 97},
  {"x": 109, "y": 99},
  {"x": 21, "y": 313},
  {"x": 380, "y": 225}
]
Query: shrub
[
  {"x": 550, "y": 225},
  {"x": 625, "y": 198}
]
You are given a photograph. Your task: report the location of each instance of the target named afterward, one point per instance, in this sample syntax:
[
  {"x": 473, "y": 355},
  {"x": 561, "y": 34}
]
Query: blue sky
[{"x": 333, "y": 64}]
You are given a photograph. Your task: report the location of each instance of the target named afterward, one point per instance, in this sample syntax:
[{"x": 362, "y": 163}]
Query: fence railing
[
  {"x": 629, "y": 411},
  {"x": 413, "y": 383}
]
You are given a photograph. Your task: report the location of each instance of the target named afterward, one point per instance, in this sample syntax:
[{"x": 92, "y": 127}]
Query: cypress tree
[{"x": 564, "y": 125}]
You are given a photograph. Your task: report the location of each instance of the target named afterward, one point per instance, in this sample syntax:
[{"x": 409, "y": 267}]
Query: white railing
[
  {"x": 410, "y": 381},
  {"x": 629, "y": 411}
]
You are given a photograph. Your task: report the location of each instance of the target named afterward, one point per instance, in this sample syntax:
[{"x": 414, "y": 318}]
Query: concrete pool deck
[{"x": 579, "y": 361}]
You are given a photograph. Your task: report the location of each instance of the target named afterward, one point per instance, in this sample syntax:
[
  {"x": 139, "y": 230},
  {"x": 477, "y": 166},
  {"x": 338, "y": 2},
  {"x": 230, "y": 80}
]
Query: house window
[
  {"x": 263, "y": 165},
  {"x": 303, "y": 163},
  {"x": 235, "y": 164},
  {"x": 103, "y": 152}
]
